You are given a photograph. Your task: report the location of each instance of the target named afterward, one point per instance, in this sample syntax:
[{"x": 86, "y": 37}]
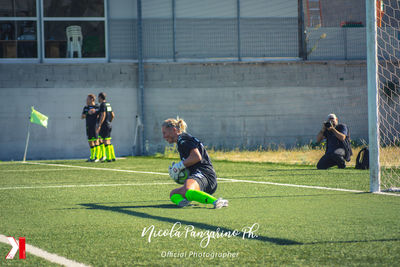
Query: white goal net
[{"x": 388, "y": 83}]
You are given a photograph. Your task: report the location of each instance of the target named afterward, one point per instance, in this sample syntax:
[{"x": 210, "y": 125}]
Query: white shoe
[
  {"x": 220, "y": 202},
  {"x": 184, "y": 203}
]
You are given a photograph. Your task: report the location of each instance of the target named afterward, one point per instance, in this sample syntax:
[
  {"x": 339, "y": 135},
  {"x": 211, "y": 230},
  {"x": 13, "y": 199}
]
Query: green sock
[
  {"x": 99, "y": 155},
  {"x": 176, "y": 198},
  {"x": 199, "y": 196},
  {"x": 108, "y": 152},
  {"x": 97, "y": 151},
  {"x": 91, "y": 152},
  {"x": 112, "y": 152},
  {"x": 103, "y": 150}
]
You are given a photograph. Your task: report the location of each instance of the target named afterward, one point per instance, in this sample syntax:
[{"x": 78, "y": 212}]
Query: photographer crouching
[{"x": 335, "y": 135}]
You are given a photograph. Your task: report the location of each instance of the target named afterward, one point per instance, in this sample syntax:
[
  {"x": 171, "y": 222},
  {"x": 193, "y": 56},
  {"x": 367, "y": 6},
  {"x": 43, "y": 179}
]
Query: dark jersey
[
  {"x": 91, "y": 119},
  {"x": 106, "y": 107},
  {"x": 186, "y": 143},
  {"x": 332, "y": 142}
]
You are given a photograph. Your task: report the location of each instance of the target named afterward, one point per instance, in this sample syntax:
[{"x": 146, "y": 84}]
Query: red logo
[{"x": 15, "y": 247}]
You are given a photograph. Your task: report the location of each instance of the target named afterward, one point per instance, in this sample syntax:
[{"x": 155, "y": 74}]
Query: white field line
[
  {"x": 307, "y": 186},
  {"x": 77, "y": 185},
  {"x": 87, "y": 185},
  {"x": 222, "y": 179},
  {"x": 46, "y": 255},
  {"x": 294, "y": 185},
  {"x": 35, "y": 170},
  {"x": 94, "y": 168}
]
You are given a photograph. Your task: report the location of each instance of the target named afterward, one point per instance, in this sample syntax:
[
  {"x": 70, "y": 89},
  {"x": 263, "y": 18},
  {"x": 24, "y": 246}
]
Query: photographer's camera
[{"x": 328, "y": 124}]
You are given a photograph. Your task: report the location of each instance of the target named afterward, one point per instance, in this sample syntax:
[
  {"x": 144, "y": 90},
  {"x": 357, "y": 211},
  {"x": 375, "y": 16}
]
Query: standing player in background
[
  {"x": 202, "y": 180},
  {"x": 106, "y": 116},
  {"x": 90, "y": 113}
]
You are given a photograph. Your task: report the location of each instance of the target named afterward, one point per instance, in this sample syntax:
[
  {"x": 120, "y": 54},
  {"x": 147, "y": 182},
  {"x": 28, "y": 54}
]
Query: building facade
[{"x": 234, "y": 70}]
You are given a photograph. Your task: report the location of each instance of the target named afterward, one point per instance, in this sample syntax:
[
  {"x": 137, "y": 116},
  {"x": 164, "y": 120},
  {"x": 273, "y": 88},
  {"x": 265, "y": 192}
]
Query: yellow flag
[{"x": 39, "y": 118}]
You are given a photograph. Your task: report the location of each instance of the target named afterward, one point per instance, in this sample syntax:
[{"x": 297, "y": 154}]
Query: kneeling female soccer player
[{"x": 202, "y": 180}]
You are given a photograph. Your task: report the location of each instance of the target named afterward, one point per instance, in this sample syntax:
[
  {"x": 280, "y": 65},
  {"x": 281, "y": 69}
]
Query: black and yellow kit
[
  {"x": 105, "y": 130},
  {"x": 91, "y": 121}
]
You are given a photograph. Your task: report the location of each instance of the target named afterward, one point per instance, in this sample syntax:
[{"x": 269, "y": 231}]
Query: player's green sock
[
  {"x": 92, "y": 152},
  {"x": 176, "y": 198},
  {"x": 97, "y": 151},
  {"x": 112, "y": 151},
  {"x": 103, "y": 150},
  {"x": 199, "y": 196},
  {"x": 108, "y": 152}
]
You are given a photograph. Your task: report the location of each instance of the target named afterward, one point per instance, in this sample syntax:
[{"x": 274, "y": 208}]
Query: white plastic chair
[{"x": 74, "y": 40}]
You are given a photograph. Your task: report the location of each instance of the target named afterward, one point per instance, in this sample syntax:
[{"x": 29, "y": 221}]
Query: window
[
  {"x": 70, "y": 29},
  {"x": 86, "y": 37},
  {"x": 90, "y": 45},
  {"x": 73, "y": 8},
  {"x": 18, "y": 29}
]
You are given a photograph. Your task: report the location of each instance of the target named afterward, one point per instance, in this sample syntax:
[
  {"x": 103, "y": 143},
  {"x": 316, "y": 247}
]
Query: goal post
[
  {"x": 373, "y": 97},
  {"x": 383, "y": 72}
]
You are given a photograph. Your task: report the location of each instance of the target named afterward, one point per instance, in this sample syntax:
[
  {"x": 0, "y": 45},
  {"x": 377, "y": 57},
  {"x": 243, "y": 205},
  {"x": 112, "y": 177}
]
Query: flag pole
[{"x": 27, "y": 140}]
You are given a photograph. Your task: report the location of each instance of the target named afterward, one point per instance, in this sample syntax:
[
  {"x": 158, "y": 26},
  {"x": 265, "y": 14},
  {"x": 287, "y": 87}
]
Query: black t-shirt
[
  {"x": 91, "y": 119},
  {"x": 106, "y": 107},
  {"x": 332, "y": 142},
  {"x": 186, "y": 143}
]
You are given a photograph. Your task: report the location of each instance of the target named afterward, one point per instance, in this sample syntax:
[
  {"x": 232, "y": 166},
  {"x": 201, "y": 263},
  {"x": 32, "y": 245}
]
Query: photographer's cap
[{"x": 331, "y": 116}]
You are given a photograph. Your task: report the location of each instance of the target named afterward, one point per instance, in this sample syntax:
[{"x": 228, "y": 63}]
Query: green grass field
[{"x": 96, "y": 213}]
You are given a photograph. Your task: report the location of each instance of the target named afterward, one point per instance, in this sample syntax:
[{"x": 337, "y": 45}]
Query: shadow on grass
[
  {"x": 209, "y": 227},
  {"x": 204, "y": 226},
  {"x": 173, "y": 206}
]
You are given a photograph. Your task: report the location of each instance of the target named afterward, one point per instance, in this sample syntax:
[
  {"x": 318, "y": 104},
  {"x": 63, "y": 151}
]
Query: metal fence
[{"x": 175, "y": 30}]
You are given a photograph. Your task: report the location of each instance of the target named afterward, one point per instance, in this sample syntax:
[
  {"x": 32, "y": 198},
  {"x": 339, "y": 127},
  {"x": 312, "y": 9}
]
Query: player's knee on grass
[
  {"x": 177, "y": 191},
  {"x": 176, "y": 198}
]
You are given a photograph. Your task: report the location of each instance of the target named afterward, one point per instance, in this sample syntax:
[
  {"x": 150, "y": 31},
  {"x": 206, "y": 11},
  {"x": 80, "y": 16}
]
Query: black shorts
[
  {"x": 207, "y": 184},
  {"x": 105, "y": 132},
  {"x": 91, "y": 133}
]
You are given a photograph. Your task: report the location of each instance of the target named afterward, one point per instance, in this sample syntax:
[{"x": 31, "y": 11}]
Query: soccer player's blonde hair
[{"x": 177, "y": 123}]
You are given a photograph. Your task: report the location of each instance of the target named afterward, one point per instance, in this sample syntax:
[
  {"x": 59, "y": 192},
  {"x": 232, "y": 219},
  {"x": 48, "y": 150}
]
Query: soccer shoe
[
  {"x": 103, "y": 159},
  {"x": 113, "y": 159},
  {"x": 219, "y": 203},
  {"x": 96, "y": 160},
  {"x": 90, "y": 160},
  {"x": 184, "y": 203},
  {"x": 341, "y": 163}
]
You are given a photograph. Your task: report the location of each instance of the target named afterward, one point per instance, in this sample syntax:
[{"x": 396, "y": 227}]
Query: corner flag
[{"x": 39, "y": 118}]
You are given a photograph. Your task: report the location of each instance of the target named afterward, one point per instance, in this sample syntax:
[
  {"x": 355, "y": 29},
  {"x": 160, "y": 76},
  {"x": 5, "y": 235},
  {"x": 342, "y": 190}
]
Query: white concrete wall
[
  {"x": 227, "y": 105},
  {"x": 60, "y": 91},
  {"x": 248, "y": 105}
]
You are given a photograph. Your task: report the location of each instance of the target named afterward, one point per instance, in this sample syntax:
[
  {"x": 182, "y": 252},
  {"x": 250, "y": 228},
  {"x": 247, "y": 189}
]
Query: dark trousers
[{"x": 332, "y": 159}]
